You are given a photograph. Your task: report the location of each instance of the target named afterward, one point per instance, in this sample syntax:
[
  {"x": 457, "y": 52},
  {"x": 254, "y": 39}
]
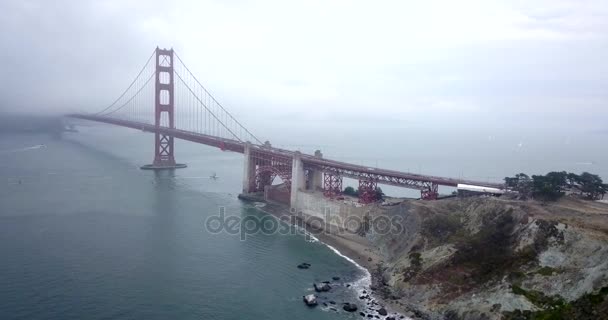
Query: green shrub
[
  {"x": 441, "y": 227},
  {"x": 489, "y": 252},
  {"x": 350, "y": 191},
  {"x": 591, "y": 306}
]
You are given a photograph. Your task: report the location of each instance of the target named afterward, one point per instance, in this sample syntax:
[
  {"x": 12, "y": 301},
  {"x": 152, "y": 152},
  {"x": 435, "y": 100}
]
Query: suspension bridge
[{"x": 166, "y": 99}]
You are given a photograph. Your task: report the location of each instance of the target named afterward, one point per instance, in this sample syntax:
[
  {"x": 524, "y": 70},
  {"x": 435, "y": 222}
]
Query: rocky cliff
[{"x": 488, "y": 258}]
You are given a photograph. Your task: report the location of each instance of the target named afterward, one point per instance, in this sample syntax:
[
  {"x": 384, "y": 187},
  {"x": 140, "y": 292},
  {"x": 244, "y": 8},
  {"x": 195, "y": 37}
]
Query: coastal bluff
[{"x": 478, "y": 257}]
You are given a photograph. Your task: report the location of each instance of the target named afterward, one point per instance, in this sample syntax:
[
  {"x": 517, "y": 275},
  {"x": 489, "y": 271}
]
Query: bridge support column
[
  {"x": 332, "y": 185},
  {"x": 316, "y": 176},
  {"x": 367, "y": 191},
  {"x": 298, "y": 181},
  {"x": 248, "y": 169},
  {"x": 164, "y": 112},
  {"x": 430, "y": 193}
]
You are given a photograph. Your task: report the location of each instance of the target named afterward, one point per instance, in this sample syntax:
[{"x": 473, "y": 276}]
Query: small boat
[{"x": 213, "y": 176}]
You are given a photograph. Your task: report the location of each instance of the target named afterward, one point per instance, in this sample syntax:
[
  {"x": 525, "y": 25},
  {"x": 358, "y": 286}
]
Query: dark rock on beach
[
  {"x": 310, "y": 300},
  {"x": 322, "y": 287},
  {"x": 382, "y": 312},
  {"x": 350, "y": 307}
]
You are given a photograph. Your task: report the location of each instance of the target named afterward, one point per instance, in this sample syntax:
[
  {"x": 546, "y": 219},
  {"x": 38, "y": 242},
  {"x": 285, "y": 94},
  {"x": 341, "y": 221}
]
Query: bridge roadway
[{"x": 383, "y": 176}]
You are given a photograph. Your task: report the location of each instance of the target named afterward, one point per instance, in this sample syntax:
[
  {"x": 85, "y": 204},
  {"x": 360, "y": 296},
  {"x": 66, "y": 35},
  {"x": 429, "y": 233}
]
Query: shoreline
[
  {"x": 346, "y": 248},
  {"x": 360, "y": 254}
]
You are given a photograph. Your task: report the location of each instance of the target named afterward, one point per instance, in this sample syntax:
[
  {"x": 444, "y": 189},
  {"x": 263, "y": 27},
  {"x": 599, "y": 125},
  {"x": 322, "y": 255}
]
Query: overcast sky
[{"x": 485, "y": 62}]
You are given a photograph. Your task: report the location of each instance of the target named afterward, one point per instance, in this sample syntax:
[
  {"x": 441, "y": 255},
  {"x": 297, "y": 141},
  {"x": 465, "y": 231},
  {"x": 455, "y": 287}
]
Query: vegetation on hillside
[
  {"x": 482, "y": 256},
  {"x": 350, "y": 191},
  {"x": 555, "y": 184},
  {"x": 591, "y": 306}
]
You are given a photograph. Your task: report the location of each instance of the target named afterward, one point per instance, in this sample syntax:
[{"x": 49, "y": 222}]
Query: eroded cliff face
[{"x": 487, "y": 258}]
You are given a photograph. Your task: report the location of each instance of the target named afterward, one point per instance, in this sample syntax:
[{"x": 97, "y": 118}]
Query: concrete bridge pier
[
  {"x": 298, "y": 181},
  {"x": 248, "y": 169},
  {"x": 315, "y": 176}
]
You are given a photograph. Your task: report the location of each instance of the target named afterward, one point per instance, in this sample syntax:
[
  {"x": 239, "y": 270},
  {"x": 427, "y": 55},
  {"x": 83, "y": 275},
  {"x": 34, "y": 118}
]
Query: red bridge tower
[{"x": 164, "y": 112}]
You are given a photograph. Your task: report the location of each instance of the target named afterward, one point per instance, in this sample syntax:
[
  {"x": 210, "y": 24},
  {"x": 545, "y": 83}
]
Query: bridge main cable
[
  {"x": 210, "y": 112},
  {"x": 215, "y": 101},
  {"x": 133, "y": 97},
  {"x": 129, "y": 87}
]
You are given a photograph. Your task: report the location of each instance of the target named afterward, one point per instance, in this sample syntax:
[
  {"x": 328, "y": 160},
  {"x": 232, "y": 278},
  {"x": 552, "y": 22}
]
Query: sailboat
[{"x": 213, "y": 176}]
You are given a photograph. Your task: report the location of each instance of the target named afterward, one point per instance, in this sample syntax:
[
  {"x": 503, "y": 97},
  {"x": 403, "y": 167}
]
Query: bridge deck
[{"x": 385, "y": 176}]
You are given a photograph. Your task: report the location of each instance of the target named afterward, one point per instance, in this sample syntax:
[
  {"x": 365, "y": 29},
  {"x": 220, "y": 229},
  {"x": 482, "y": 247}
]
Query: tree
[
  {"x": 554, "y": 184},
  {"x": 379, "y": 194},
  {"x": 573, "y": 180},
  {"x": 591, "y": 186},
  {"x": 350, "y": 191},
  {"x": 520, "y": 183},
  {"x": 550, "y": 186}
]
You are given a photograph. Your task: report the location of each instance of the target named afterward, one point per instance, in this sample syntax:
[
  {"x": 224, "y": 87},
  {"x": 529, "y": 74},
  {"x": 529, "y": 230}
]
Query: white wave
[
  {"x": 194, "y": 177},
  {"x": 365, "y": 281},
  {"x": 38, "y": 146},
  {"x": 307, "y": 235}
]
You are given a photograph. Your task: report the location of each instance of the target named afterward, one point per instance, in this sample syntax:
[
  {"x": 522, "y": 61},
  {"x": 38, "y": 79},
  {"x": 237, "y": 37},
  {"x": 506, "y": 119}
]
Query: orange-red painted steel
[{"x": 428, "y": 185}]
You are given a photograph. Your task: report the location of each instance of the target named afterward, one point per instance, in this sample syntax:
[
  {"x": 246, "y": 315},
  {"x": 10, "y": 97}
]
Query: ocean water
[{"x": 86, "y": 234}]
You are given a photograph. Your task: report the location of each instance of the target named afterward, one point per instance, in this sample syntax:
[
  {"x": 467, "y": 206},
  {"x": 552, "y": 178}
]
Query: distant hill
[{"x": 21, "y": 123}]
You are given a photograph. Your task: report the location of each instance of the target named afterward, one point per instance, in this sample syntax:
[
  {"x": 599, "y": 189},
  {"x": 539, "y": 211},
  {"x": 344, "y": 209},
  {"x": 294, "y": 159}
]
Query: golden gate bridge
[{"x": 166, "y": 99}]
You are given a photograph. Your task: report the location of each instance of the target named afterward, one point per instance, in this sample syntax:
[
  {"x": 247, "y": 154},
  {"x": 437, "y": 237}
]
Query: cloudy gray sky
[{"x": 534, "y": 63}]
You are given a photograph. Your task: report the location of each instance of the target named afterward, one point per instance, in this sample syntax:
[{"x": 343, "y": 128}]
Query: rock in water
[
  {"x": 335, "y": 278},
  {"x": 304, "y": 265},
  {"x": 322, "y": 287},
  {"x": 382, "y": 312},
  {"x": 350, "y": 307},
  {"x": 310, "y": 300}
]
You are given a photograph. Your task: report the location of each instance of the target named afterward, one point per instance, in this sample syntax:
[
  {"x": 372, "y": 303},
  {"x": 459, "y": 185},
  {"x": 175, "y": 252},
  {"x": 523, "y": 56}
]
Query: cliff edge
[{"x": 490, "y": 258}]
